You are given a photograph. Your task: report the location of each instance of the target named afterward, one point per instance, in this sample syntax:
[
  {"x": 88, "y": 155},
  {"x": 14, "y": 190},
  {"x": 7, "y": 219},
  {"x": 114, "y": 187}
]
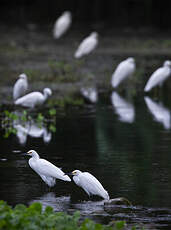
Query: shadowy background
[{"x": 118, "y": 13}]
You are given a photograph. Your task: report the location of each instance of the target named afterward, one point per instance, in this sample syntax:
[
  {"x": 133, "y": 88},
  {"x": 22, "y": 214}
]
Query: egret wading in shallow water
[
  {"x": 159, "y": 76},
  {"x": 20, "y": 86},
  {"x": 34, "y": 99},
  {"x": 46, "y": 170},
  {"x": 89, "y": 183},
  {"x": 124, "y": 70},
  {"x": 87, "y": 45},
  {"x": 62, "y": 24}
]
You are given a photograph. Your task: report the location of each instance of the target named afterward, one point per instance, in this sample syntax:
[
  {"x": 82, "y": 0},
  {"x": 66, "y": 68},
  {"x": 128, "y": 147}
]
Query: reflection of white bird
[
  {"x": 124, "y": 109},
  {"x": 20, "y": 86},
  {"x": 159, "y": 76},
  {"x": 87, "y": 45},
  {"x": 46, "y": 170},
  {"x": 90, "y": 94},
  {"x": 34, "y": 99},
  {"x": 89, "y": 183},
  {"x": 62, "y": 24},
  {"x": 36, "y": 131},
  {"x": 125, "y": 69},
  {"x": 21, "y": 133},
  {"x": 160, "y": 113}
]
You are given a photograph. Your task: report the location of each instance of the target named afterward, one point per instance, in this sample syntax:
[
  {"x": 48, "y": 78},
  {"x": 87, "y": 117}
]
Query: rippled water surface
[{"x": 125, "y": 143}]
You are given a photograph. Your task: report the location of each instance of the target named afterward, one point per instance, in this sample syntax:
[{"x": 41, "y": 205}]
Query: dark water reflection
[{"x": 131, "y": 157}]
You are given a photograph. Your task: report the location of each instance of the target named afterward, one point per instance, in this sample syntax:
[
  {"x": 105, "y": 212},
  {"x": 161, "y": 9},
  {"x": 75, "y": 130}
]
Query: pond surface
[{"x": 124, "y": 143}]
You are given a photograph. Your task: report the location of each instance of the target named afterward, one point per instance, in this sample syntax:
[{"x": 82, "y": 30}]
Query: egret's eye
[
  {"x": 74, "y": 172},
  {"x": 29, "y": 152}
]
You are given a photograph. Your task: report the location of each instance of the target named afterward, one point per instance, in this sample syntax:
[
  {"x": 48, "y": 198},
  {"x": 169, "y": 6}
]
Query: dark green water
[{"x": 124, "y": 143}]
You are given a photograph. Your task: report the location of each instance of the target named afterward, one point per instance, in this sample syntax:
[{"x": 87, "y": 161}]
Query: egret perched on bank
[
  {"x": 159, "y": 76},
  {"x": 125, "y": 69},
  {"x": 46, "y": 170},
  {"x": 62, "y": 24},
  {"x": 89, "y": 183},
  {"x": 87, "y": 45},
  {"x": 20, "y": 86},
  {"x": 34, "y": 99}
]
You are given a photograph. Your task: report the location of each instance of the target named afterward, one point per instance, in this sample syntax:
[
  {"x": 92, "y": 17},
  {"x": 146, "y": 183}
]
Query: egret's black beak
[
  {"x": 24, "y": 154},
  {"x": 69, "y": 174}
]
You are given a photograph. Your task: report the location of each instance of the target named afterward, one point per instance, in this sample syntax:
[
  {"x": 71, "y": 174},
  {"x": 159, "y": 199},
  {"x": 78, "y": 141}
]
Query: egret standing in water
[
  {"x": 125, "y": 69},
  {"x": 62, "y": 24},
  {"x": 20, "y": 86},
  {"x": 46, "y": 170},
  {"x": 89, "y": 183},
  {"x": 87, "y": 45},
  {"x": 34, "y": 99},
  {"x": 159, "y": 76}
]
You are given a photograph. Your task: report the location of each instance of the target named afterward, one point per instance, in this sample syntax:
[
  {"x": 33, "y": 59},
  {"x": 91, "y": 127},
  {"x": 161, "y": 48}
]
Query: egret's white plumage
[
  {"x": 159, "y": 76},
  {"x": 125, "y": 69},
  {"x": 34, "y": 99},
  {"x": 90, "y": 94},
  {"x": 46, "y": 170},
  {"x": 159, "y": 112},
  {"x": 125, "y": 110},
  {"x": 89, "y": 183},
  {"x": 62, "y": 24},
  {"x": 87, "y": 45},
  {"x": 20, "y": 86}
]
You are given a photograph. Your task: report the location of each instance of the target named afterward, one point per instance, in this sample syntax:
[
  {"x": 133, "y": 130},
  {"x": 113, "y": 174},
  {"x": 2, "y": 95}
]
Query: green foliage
[
  {"x": 9, "y": 118},
  {"x": 35, "y": 218}
]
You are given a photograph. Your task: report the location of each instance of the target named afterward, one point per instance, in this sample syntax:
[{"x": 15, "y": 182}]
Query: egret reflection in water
[
  {"x": 30, "y": 128},
  {"x": 159, "y": 112},
  {"x": 90, "y": 94},
  {"x": 123, "y": 109},
  {"x": 59, "y": 204}
]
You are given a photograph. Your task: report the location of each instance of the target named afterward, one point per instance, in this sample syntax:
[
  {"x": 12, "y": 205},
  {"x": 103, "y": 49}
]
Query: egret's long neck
[
  {"x": 45, "y": 96},
  {"x": 35, "y": 156}
]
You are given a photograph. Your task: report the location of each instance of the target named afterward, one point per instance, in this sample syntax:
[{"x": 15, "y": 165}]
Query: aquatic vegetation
[
  {"x": 11, "y": 119},
  {"x": 34, "y": 217}
]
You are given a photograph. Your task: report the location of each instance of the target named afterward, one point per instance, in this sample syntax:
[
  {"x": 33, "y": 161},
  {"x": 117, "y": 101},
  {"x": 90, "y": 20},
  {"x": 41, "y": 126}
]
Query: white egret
[
  {"x": 87, "y": 45},
  {"x": 62, "y": 24},
  {"x": 89, "y": 183},
  {"x": 20, "y": 86},
  {"x": 34, "y": 99},
  {"x": 125, "y": 110},
  {"x": 159, "y": 112},
  {"x": 46, "y": 170},
  {"x": 159, "y": 76},
  {"x": 124, "y": 70},
  {"x": 90, "y": 94}
]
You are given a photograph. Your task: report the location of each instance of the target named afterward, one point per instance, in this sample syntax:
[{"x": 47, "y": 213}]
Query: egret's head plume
[
  {"x": 131, "y": 60},
  {"x": 76, "y": 172},
  {"x": 94, "y": 34},
  {"x": 47, "y": 91},
  {"x": 31, "y": 152},
  {"x": 167, "y": 63},
  {"x": 23, "y": 76}
]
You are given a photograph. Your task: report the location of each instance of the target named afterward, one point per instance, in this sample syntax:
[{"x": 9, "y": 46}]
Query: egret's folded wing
[
  {"x": 91, "y": 185},
  {"x": 155, "y": 79},
  {"x": 48, "y": 169}
]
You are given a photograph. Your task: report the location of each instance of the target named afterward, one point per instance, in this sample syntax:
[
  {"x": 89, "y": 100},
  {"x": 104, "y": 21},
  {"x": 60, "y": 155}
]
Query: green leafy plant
[{"x": 35, "y": 218}]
